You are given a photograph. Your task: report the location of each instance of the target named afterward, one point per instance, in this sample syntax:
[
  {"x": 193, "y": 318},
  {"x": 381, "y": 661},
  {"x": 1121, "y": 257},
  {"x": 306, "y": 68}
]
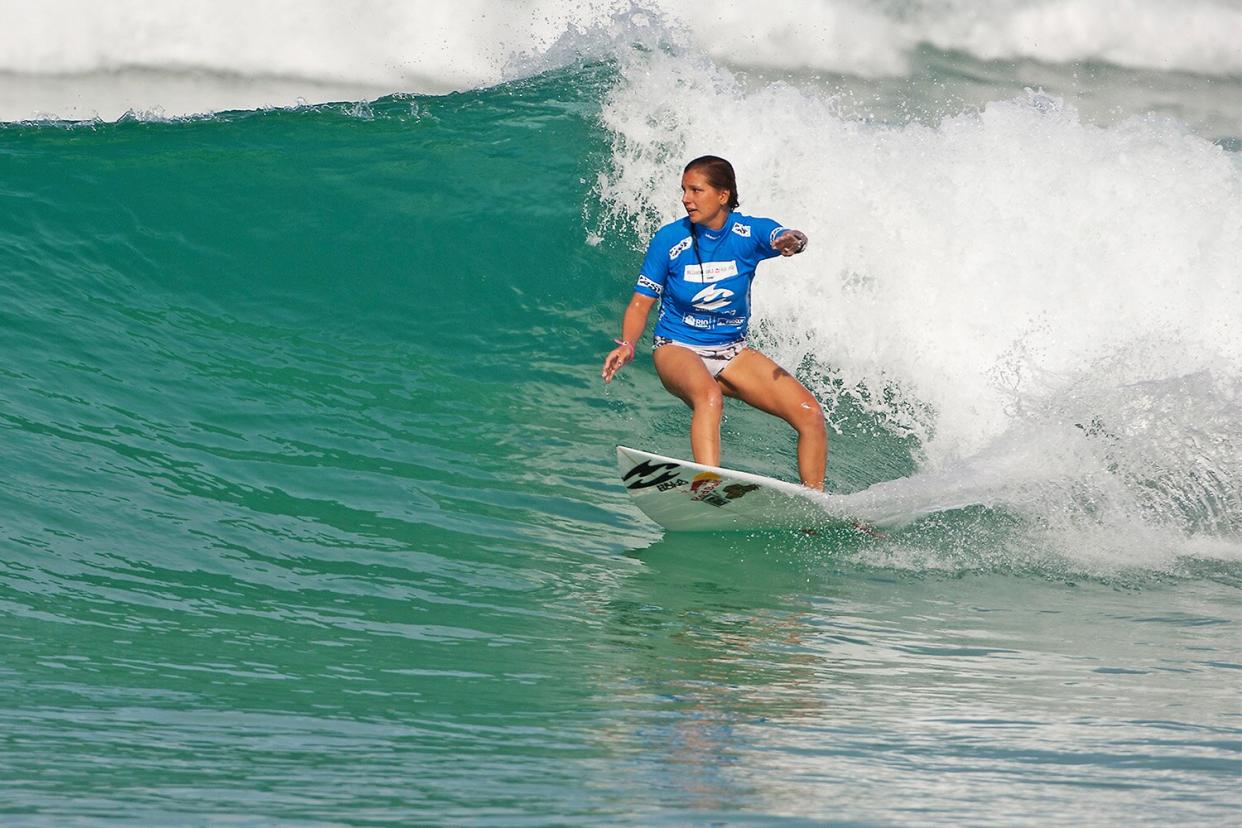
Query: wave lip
[
  {"x": 79, "y": 59},
  {"x": 382, "y": 44},
  {"x": 438, "y": 46},
  {"x": 1198, "y": 37},
  {"x": 66, "y": 56},
  {"x": 878, "y": 39}
]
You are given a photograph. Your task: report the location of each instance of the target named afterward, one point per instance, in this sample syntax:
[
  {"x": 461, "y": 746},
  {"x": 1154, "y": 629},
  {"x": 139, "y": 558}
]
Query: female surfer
[{"x": 700, "y": 269}]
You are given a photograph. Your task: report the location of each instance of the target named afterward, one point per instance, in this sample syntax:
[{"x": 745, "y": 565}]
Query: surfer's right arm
[{"x": 632, "y": 326}]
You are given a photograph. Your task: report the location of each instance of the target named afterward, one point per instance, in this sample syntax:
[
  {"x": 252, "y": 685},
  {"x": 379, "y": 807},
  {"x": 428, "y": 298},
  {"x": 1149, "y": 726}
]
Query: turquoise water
[{"x": 311, "y": 513}]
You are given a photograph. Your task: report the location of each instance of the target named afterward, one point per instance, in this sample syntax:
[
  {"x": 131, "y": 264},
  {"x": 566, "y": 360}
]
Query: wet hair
[{"x": 718, "y": 172}]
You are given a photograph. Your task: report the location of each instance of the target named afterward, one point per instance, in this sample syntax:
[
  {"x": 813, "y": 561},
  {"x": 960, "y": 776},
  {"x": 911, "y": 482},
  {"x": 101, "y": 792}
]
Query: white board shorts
[{"x": 715, "y": 357}]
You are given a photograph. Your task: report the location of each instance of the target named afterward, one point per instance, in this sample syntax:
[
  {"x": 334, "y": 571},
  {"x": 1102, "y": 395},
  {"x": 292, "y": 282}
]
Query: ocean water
[{"x": 311, "y": 514}]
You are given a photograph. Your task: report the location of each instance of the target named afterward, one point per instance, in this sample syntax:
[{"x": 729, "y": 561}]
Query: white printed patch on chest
[
  {"x": 712, "y": 298},
  {"x": 710, "y": 272}
]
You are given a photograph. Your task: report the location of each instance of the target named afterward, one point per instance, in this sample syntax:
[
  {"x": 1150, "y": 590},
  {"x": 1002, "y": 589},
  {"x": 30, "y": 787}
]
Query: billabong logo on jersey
[
  {"x": 712, "y": 298},
  {"x": 710, "y": 272},
  {"x": 678, "y": 248},
  {"x": 742, "y": 230}
]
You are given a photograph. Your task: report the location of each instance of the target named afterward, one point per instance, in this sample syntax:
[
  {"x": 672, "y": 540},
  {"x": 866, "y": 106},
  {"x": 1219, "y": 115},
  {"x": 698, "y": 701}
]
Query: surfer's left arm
[{"x": 791, "y": 242}]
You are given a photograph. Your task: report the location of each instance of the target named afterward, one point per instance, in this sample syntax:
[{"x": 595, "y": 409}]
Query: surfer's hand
[
  {"x": 791, "y": 242},
  {"x": 619, "y": 356}
]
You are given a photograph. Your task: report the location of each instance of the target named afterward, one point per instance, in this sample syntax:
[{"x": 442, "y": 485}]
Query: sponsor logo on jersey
[
  {"x": 742, "y": 230},
  {"x": 644, "y": 282},
  {"x": 710, "y": 272},
  {"x": 696, "y": 321},
  {"x": 712, "y": 298},
  {"x": 678, "y": 248}
]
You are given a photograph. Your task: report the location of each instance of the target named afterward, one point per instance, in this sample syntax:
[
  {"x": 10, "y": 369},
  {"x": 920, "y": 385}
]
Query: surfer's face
[{"x": 704, "y": 204}]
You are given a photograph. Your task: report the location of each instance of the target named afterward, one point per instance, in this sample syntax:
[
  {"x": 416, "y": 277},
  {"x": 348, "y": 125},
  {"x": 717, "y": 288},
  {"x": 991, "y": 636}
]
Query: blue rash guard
[{"x": 708, "y": 305}]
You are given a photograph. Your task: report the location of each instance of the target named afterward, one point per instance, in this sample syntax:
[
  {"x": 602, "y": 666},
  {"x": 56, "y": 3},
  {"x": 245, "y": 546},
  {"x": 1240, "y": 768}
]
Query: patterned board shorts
[{"x": 715, "y": 357}]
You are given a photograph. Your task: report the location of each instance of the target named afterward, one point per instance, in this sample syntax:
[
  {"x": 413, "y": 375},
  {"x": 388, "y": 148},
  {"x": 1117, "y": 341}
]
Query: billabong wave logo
[
  {"x": 678, "y": 248},
  {"x": 712, "y": 298},
  {"x": 648, "y": 474},
  {"x": 742, "y": 230}
]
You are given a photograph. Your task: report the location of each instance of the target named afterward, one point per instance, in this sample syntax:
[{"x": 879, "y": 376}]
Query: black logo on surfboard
[{"x": 650, "y": 474}]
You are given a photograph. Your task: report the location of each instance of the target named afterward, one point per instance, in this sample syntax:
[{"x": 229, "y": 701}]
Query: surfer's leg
[
  {"x": 684, "y": 375},
  {"x": 756, "y": 380}
]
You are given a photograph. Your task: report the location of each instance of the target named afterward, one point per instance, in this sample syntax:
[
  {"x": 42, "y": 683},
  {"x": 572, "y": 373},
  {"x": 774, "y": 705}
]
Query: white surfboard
[{"x": 683, "y": 496}]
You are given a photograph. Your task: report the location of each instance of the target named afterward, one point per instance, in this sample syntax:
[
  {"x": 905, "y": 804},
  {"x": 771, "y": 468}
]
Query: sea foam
[
  {"x": 76, "y": 59},
  {"x": 1018, "y": 290}
]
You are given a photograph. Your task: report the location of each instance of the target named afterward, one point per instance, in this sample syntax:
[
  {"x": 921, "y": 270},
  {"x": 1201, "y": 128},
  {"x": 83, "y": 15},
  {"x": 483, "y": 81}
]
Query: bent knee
[
  {"x": 709, "y": 399},
  {"x": 807, "y": 415}
]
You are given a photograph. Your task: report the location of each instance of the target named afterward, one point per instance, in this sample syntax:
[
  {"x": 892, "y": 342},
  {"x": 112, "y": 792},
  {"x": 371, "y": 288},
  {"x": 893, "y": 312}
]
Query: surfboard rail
[{"x": 684, "y": 496}]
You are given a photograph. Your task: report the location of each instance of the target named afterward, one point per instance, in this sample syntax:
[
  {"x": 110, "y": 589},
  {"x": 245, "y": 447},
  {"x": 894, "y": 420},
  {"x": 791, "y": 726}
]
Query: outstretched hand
[
  {"x": 619, "y": 356},
  {"x": 790, "y": 242}
]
